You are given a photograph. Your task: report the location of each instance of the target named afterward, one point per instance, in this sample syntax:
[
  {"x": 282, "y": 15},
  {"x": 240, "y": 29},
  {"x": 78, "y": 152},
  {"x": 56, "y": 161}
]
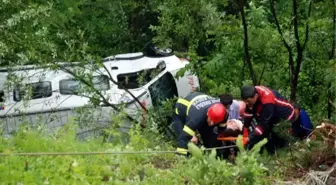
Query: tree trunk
[
  {"x": 246, "y": 49},
  {"x": 299, "y": 48},
  {"x": 299, "y": 53},
  {"x": 242, "y": 75},
  {"x": 294, "y": 85},
  {"x": 294, "y": 69}
]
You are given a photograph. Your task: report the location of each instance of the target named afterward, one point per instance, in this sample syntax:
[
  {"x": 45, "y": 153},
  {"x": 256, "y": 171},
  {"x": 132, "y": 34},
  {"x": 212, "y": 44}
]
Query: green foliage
[
  {"x": 184, "y": 25},
  {"x": 160, "y": 117},
  {"x": 83, "y": 169},
  {"x": 209, "y": 32},
  {"x": 120, "y": 168},
  {"x": 211, "y": 170},
  {"x": 85, "y": 30}
]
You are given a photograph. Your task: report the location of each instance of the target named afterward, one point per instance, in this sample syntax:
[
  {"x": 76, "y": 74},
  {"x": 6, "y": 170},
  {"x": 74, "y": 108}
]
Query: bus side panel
[{"x": 186, "y": 84}]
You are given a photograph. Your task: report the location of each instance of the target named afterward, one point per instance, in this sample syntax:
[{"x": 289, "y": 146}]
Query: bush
[
  {"x": 138, "y": 168},
  {"x": 207, "y": 169}
]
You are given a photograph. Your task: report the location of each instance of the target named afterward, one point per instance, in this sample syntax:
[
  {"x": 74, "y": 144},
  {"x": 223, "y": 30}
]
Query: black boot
[{"x": 278, "y": 141}]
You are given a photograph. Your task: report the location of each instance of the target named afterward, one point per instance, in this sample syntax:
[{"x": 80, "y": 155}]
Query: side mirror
[{"x": 161, "y": 65}]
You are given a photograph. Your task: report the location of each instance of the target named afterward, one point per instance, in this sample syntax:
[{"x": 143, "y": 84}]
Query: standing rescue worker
[
  {"x": 197, "y": 112},
  {"x": 268, "y": 107}
]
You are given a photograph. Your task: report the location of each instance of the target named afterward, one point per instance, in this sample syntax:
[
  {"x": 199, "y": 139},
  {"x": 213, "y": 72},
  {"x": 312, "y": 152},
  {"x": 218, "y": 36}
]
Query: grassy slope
[{"x": 138, "y": 168}]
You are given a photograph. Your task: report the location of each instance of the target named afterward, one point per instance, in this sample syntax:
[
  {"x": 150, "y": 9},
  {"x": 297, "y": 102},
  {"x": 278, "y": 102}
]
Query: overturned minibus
[{"x": 54, "y": 96}]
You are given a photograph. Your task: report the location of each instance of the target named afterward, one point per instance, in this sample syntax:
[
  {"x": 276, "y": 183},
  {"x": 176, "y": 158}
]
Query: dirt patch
[
  {"x": 294, "y": 173},
  {"x": 319, "y": 159},
  {"x": 162, "y": 163},
  {"x": 322, "y": 160}
]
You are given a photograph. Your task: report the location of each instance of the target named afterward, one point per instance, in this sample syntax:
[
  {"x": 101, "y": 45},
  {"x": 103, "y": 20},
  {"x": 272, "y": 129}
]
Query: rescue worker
[
  {"x": 268, "y": 107},
  {"x": 197, "y": 112},
  {"x": 231, "y": 105}
]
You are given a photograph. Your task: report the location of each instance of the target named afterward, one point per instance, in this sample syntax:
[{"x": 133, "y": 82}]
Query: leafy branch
[{"x": 88, "y": 84}]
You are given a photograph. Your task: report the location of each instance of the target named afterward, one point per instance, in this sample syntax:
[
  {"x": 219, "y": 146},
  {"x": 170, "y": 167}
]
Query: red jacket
[{"x": 269, "y": 108}]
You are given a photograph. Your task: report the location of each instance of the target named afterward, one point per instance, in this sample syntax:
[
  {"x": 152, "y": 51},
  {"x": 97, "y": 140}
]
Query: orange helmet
[{"x": 217, "y": 113}]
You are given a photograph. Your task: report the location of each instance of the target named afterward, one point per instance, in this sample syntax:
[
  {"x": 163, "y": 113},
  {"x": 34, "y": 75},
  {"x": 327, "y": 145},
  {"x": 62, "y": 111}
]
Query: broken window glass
[
  {"x": 162, "y": 89},
  {"x": 136, "y": 79}
]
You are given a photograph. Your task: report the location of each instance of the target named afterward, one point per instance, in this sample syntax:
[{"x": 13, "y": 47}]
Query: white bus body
[{"x": 53, "y": 97}]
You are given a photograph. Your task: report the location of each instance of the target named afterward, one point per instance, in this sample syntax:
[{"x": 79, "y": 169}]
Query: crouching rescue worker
[
  {"x": 197, "y": 112},
  {"x": 268, "y": 107}
]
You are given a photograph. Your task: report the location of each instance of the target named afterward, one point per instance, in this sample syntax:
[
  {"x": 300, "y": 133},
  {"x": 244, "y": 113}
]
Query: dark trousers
[
  {"x": 302, "y": 127},
  {"x": 209, "y": 139},
  {"x": 274, "y": 141},
  {"x": 208, "y": 136},
  {"x": 297, "y": 131},
  {"x": 178, "y": 125}
]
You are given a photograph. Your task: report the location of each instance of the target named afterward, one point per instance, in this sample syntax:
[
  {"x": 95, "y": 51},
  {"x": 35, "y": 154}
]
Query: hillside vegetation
[{"x": 288, "y": 45}]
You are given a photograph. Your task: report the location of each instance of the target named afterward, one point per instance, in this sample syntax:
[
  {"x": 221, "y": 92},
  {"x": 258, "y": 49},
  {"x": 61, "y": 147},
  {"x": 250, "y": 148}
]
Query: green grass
[{"x": 249, "y": 167}]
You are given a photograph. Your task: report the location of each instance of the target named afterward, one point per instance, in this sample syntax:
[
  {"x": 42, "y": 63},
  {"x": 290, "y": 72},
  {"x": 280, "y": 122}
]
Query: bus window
[
  {"x": 73, "y": 86},
  {"x": 162, "y": 89},
  {"x": 136, "y": 79},
  {"x": 38, "y": 90},
  {"x": 2, "y": 96}
]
